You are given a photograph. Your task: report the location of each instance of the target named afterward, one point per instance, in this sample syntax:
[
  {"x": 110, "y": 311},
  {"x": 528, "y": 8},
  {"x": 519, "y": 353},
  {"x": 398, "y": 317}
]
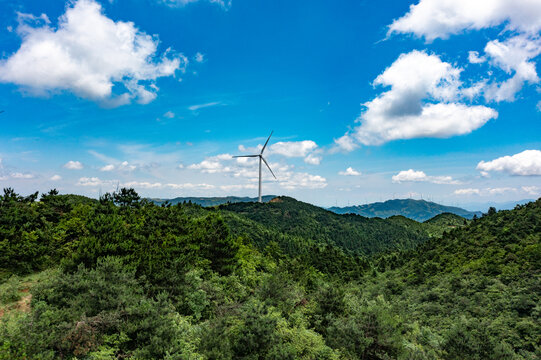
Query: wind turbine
[{"x": 261, "y": 158}]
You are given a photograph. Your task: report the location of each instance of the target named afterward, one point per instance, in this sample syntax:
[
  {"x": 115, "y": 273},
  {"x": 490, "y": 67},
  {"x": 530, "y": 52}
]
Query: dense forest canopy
[{"x": 123, "y": 278}]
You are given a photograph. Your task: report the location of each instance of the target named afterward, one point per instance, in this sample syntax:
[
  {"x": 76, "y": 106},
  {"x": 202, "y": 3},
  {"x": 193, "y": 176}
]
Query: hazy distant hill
[
  {"x": 419, "y": 210},
  {"x": 212, "y": 201}
]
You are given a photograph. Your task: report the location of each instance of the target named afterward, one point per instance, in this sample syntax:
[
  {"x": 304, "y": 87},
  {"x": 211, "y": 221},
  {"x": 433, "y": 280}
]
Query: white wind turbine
[{"x": 261, "y": 158}]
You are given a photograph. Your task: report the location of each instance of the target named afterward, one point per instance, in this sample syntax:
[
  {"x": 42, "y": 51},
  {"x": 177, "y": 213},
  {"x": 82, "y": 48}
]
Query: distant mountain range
[
  {"x": 419, "y": 210},
  {"x": 211, "y": 201}
]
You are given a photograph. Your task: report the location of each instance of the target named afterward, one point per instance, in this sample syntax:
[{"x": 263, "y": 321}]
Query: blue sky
[{"x": 368, "y": 100}]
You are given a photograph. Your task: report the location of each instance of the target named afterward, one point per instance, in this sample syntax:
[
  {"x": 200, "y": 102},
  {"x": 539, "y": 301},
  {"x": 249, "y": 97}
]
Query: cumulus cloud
[
  {"x": 474, "y": 58},
  {"x": 531, "y": 190},
  {"x": 521, "y": 43},
  {"x": 468, "y": 191},
  {"x": 93, "y": 181},
  {"x": 56, "y": 178},
  {"x": 484, "y": 192},
  {"x": 109, "y": 167},
  {"x": 526, "y": 163},
  {"x": 306, "y": 149},
  {"x": 434, "y": 19},
  {"x": 513, "y": 56},
  {"x": 349, "y": 172},
  {"x": 247, "y": 168},
  {"x": 303, "y": 180},
  {"x": 18, "y": 175},
  {"x": 73, "y": 165},
  {"x": 89, "y": 55},
  {"x": 313, "y": 159},
  {"x": 499, "y": 191},
  {"x": 419, "y": 176},
  {"x": 213, "y": 164},
  {"x": 123, "y": 166},
  {"x": 293, "y": 148},
  {"x": 422, "y": 102},
  {"x": 169, "y": 115}
]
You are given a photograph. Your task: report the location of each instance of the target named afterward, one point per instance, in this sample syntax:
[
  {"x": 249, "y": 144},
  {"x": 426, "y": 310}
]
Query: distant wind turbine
[{"x": 261, "y": 158}]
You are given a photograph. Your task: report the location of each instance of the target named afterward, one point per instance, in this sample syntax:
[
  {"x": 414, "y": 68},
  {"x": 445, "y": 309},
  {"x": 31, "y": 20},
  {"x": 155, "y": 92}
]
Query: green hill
[
  {"x": 309, "y": 225},
  {"x": 419, "y": 210},
  {"x": 474, "y": 291},
  {"x": 123, "y": 278}
]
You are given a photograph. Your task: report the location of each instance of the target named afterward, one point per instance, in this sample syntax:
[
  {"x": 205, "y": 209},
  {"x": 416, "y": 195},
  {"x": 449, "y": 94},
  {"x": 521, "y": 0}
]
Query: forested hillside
[
  {"x": 123, "y": 278},
  {"x": 296, "y": 222}
]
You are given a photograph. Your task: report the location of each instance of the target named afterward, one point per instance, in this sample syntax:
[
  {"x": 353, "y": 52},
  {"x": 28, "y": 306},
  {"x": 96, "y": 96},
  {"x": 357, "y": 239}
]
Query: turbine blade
[
  {"x": 266, "y": 142},
  {"x": 266, "y": 163},
  {"x": 236, "y": 156}
]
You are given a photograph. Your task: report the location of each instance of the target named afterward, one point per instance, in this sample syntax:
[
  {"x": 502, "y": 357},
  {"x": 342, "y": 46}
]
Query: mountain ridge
[{"x": 419, "y": 210}]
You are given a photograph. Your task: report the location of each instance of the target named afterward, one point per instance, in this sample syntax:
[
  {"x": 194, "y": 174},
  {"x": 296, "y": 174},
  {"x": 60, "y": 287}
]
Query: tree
[{"x": 126, "y": 198}]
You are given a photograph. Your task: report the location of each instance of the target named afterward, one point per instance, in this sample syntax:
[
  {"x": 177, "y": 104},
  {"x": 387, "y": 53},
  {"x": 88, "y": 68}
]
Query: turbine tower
[{"x": 261, "y": 158}]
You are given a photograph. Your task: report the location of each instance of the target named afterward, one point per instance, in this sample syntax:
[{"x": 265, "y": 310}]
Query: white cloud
[
  {"x": 468, "y": 191},
  {"x": 73, "y": 165},
  {"x": 93, "y": 181},
  {"x": 526, "y": 163},
  {"x": 199, "y": 57},
  {"x": 293, "y": 148},
  {"x": 313, "y": 159},
  {"x": 18, "y": 175},
  {"x": 419, "y": 176},
  {"x": 56, "y": 178},
  {"x": 90, "y": 55},
  {"x": 349, "y": 172},
  {"x": 499, "y": 191},
  {"x": 344, "y": 143},
  {"x": 514, "y": 57},
  {"x": 142, "y": 185},
  {"x": 247, "y": 168},
  {"x": 169, "y": 115},
  {"x": 303, "y": 180},
  {"x": 202, "y": 106},
  {"x": 213, "y": 164},
  {"x": 123, "y": 166},
  {"x": 433, "y": 19},
  {"x": 532, "y": 190},
  {"x": 474, "y": 58},
  {"x": 484, "y": 192},
  {"x": 421, "y": 102},
  {"x": 440, "y": 18},
  {"x": 109, "y": 167}
]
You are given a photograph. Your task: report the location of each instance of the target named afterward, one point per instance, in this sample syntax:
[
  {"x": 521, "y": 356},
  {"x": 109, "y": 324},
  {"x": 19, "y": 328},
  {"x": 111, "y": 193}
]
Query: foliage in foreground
[{"x": 140, "y": 281}]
